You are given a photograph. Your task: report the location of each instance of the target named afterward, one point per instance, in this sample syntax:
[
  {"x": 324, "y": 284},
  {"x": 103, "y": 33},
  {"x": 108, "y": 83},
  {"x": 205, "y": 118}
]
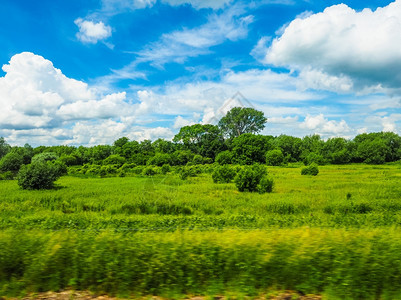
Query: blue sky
[{"x": 88, "y": 72}]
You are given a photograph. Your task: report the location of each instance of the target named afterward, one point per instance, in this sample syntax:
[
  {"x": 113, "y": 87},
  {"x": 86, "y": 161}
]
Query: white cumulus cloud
[
  {"x": 362, "y": 47},
  {"x": 37, "y": 98},
  {"x": 90, "y": 32},
  {"x": 321, "y": 125}
]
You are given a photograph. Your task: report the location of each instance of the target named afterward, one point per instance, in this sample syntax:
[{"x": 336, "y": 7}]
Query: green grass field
[{"x": 336, "y": 234}]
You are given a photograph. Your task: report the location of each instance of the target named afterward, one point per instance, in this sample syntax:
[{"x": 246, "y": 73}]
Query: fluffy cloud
[
  {"x": 90, "y": 32},
  {"x": 321, "y": 125},
  {"x": 36, "y": 97},
  {"x": 341, "y": 45}
]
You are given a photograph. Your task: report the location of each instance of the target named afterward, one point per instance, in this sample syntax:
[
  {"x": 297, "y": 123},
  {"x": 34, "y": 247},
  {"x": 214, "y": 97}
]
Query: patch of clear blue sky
[{"x": 47, "y": 28}]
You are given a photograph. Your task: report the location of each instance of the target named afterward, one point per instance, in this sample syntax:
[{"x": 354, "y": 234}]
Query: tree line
[{"x": 235, "y": 140}]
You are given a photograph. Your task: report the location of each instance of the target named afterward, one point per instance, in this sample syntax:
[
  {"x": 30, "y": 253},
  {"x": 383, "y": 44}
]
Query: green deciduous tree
[
  {"x": 205, "y": 140},
  {"x": 240, "y": 120},
  {"x": 248, "y": 148}
]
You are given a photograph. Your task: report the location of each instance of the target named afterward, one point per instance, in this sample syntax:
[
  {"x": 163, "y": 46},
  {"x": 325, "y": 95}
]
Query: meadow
[{"x": 335, "y": 234}]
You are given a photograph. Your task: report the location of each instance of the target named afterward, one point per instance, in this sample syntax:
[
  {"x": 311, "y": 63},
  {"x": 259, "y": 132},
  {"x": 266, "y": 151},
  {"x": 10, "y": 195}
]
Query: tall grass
[
  {"x": 345, "y": 196},
  {"x": 334, "y": 234},
  {"x": 353, "y": 264}
]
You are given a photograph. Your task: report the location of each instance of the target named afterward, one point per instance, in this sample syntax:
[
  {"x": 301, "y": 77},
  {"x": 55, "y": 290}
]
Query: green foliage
[
  {"x": 249, "y": 149},
  {"x": 8, "y": 175},
  {"x": 206, "y": 140},
  {"x": 197, "y": 160},
  {"x": 240, "y": 120},
  {"x": 44, "y": 157},
  {"x": 70, "y": 160},
  {"x": 223, "y": 174},
  {"x": 114, "y": 159},
  {"x": 160, "y": 159},
  {"x": 291, "y": 147},
  {"x": 189, "y": 171},
  {"x": 12, "y": 161},
  {"x": 274, "y": 157},
  {"x": 181, "y": 157},
  {"x": 372, "y": 151},
  {"x": 4, "y": 147},
  {"x": 312, "y": 169},
  {"x": 121, "y": 142},
  {"x": 165, "y": 169},
  {"x": 224, "y": 158},
  {"x": 149, "y": 171},
  {"x": 265, "y": 185},
  {"x": 38, "y": 175},
  {"x": 249, "y": 177},
  {"x": 314, "y": 158},
  {"x": 337, "y": 151}
]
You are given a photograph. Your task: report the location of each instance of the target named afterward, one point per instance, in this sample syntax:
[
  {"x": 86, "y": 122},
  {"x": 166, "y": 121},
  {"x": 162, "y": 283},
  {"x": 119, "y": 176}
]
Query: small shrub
[
  {"x": 249, "y": 177},
  {"x": 223, "y": 174},
  {"x": 310, "y": 170},
  {"x": 36, "y": 176},
  {"x": 103, "y": 171},
  {"x": 189, "y": 171},
  {"x": 149, "y": 171},
  {"x": 165, "y": 169},
  {"x": 265, "y": 185}
]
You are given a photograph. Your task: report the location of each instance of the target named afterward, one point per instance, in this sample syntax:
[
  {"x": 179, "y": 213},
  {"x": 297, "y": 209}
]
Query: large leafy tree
[
  {"x": 205, "y": 140},
  {"x": 250, "y": 148},
  {"x": 240, "y": 120}
]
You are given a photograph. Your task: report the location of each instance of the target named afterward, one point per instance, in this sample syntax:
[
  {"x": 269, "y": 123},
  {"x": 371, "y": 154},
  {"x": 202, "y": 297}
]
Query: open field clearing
[
  {"x": 335, "y": 234},
  {"x": 357, "y": 196}
]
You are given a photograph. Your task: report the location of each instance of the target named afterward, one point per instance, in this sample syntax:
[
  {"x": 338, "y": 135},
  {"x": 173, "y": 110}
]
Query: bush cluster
[
  {"x": 252, "y": 179},
  {"x": 38, "y": 175},
  {"x": 312, "y": 169},
  {"x": 223, "y": 174}
]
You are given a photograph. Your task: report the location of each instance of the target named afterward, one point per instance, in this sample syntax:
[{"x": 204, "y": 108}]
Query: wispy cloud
[{"x": 177, "y": 46}]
